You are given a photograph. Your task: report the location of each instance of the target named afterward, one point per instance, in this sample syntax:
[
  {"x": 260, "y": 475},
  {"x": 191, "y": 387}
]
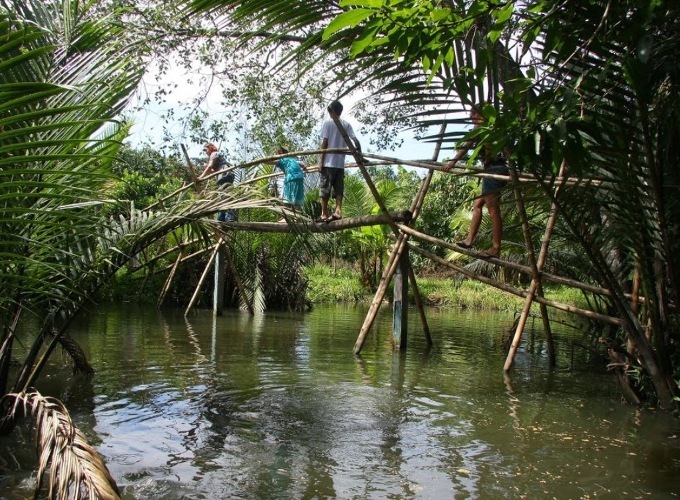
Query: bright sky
[{"x": 148, "y": 124}]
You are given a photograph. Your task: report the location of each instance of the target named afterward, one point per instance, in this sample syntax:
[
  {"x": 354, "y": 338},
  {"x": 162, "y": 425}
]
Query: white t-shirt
[{"x": 335, "y": 141}]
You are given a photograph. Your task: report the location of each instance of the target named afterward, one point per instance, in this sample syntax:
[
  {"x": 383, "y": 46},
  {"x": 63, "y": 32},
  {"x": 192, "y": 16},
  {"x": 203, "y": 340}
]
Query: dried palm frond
[{"x": 73, "y": 468}]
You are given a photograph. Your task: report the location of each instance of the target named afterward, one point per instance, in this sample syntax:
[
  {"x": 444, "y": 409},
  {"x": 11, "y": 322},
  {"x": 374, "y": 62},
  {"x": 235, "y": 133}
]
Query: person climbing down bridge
[
  {"x": 216, "y": 163},
  {"x": 491, "y": 192}
]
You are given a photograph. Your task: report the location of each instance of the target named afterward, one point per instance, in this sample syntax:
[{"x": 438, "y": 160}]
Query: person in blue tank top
[{"x": 293, "y": 180}]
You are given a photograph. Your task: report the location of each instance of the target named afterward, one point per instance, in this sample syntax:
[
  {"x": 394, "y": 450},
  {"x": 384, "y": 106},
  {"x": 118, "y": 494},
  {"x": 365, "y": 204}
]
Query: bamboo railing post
[{"x": 535, "y": 286}]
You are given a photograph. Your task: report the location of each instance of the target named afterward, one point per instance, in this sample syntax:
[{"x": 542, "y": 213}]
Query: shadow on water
[{"x": 277, "y": 406}]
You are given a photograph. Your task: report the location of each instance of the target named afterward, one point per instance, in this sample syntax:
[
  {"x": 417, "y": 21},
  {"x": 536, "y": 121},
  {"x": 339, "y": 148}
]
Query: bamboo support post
[
  {"x": 378, "y": 199},
  {"x": 218, "y": 292},
  {"x": 400, "y": 304},
  {"x": 536, "y": 268},
  {"x": 220, "y": 243},
  {"x": 536, "y": 286},
  {"x": 194, "y": 297},
  {"x": 168, "y": 280},
  {"x": 237, "y": 281},
  {"x": 390, "y": 268}
]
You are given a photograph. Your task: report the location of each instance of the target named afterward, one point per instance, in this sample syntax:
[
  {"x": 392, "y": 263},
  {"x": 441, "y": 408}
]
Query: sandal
[
  {"x": 334, "y": 217},
  {"x": 464, "y": 245},
  {"x": 321, "y": 219},
  {"x": 487, "y": 254}
]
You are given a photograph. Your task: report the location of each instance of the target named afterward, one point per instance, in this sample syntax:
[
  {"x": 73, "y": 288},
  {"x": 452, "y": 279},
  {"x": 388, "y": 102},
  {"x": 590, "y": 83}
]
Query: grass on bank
[{"x": 341, "y": 284}]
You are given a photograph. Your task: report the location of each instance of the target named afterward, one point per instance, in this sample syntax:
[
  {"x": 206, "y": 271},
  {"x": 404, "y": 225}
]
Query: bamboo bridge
[{"x": 398, "y": 268}]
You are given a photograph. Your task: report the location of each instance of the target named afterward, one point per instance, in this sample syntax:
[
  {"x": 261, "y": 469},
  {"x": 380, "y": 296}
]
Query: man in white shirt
[{"x": 332, "y": 165}]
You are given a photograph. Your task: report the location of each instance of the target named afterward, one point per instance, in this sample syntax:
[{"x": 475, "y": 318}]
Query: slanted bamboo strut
[
  {"x": 536, "y": 268},
  {"x": 516, "y": 291},
  {"x": 168, "y": 280},
  {"x": 358, "y": 158},
  {"x": 510, "y": 265},
  {"x": 216, "y": 249},
  {"x": 391, "y": 266}
]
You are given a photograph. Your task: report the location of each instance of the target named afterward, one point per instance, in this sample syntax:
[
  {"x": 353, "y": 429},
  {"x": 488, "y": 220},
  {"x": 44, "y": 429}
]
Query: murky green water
[{"x": 276, "y": 406}]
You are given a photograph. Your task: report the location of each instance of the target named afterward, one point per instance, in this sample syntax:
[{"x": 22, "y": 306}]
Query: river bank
[{"x": 328, "y": 284}]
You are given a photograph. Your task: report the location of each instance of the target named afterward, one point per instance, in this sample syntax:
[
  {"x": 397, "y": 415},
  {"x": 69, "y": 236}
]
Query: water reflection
[{"x": 276, "y": 405}]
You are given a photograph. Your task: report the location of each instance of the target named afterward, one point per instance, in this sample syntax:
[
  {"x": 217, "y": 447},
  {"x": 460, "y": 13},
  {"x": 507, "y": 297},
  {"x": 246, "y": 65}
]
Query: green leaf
[
  {"x": 438, "y": 15},
  {"x": 364, "y": 41},
  {"x": 505, "y": 13},
  {"x": 347, "y": 19},
  {"x": 373, "y": 4}
]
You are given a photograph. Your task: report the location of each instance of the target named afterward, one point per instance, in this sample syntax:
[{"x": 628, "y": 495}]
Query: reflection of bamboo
[{"x": 514, "y": 402}]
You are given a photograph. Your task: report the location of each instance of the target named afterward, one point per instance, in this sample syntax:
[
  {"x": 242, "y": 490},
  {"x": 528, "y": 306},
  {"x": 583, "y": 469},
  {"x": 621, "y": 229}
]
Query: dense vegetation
[{"x": 586, "y": 91}]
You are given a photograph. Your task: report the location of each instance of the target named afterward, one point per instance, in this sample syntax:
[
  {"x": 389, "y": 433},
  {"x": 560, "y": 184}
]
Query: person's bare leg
[
  {"x": 338, "y": 206},
  {"x": 324, "y": 208},
  {"x": 474, "y": 223},
  {"x": 493, "y": 205}
]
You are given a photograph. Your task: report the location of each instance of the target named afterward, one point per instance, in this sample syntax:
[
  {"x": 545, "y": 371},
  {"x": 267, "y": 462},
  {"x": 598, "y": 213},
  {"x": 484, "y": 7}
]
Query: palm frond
[{"x": 73, "y": 468}]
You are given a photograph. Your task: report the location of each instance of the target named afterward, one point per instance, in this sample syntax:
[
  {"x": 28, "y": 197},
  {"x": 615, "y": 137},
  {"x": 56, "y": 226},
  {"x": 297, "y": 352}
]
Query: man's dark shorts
[
  {"x": 492, "y": 185},
  {"x": 332, "y": 180}
]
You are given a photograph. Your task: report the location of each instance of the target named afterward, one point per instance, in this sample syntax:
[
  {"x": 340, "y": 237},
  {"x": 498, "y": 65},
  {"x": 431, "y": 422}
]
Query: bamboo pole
[
  {"x": 378, "y": 199},
  {"x": 168, "y": 280},
  {"x": 391, "y": 266},
  {"x": 536, "y": 269},
  {"x": 194, "y": 297}
]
